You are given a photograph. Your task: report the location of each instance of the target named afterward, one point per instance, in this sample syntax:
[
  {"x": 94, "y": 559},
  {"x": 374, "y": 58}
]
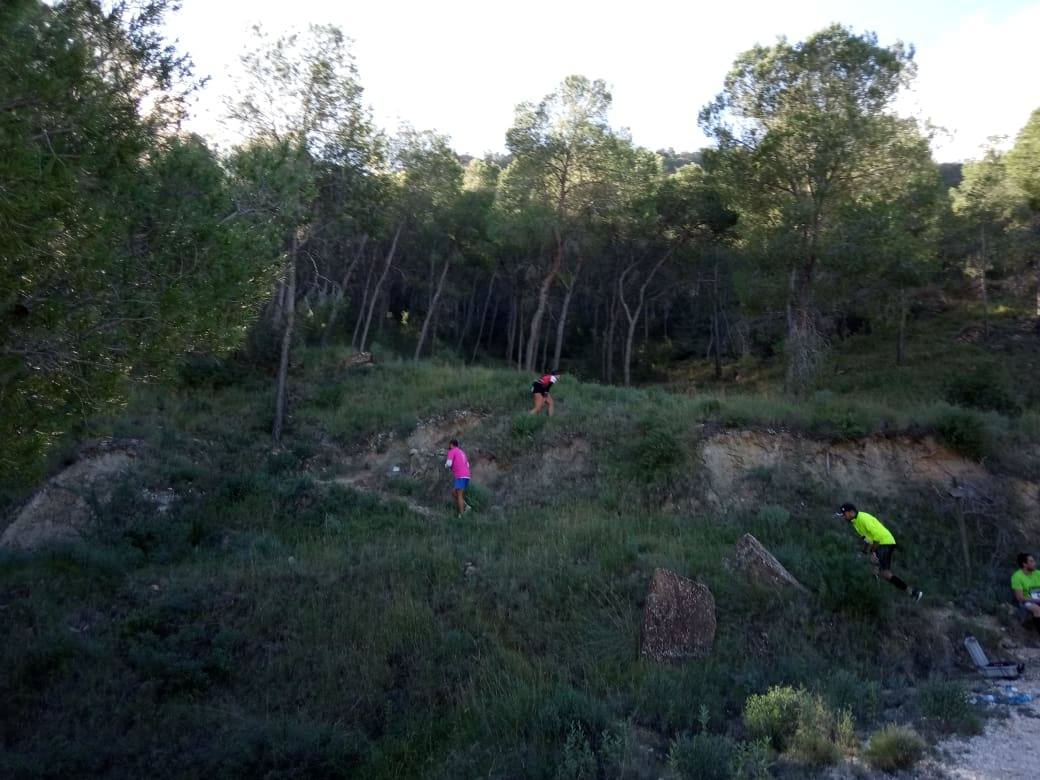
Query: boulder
[
  {"x": 63, "y": 509},
  {"x": 678, "y": 620},
  {"x": 750, "y": 560},
  {"x": 357, "y": 359}
]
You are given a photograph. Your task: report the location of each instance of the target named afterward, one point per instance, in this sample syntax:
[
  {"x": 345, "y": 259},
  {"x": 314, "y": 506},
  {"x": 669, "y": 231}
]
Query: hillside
[{"x": 316, "y": 609}]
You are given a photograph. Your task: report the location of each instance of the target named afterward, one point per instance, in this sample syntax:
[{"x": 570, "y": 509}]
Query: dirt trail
[{"x": 417, "y": 456}]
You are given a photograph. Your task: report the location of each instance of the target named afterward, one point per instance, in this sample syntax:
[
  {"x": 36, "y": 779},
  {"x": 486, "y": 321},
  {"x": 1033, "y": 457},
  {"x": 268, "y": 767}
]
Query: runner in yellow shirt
[{"x": 881, "y": 544}]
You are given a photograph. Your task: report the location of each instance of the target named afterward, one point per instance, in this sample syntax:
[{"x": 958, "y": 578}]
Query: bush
[
  {"x": 751, "y": 761},
  {"x": 797, "y": 721},
  {"x": 962, "y": 431},
  {"x": 983, "y": 388},
  {"x": 209, "y": 371},
  {"x": 822, "y": 736},
  {"x": 894, "y": 748},
  {"x": 839, "y": 423},
  {"x": 702, "y": 757},
  {"x": 658, "y": 451},
  {"x": 845, "y": 690},
  {"x": 774, "y": 715},
  {"x": 578, "y": 761},
  {"x": 525, "y": 426},
  {"x": 945, "y": 705},
  {"x": 849, "y": 589}
]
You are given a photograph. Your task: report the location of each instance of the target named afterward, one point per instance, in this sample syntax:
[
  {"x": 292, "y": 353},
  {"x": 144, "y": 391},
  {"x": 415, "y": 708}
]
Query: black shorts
[
  {"x": 537, "y": 388},
  {"x": 884, "y": 556}
]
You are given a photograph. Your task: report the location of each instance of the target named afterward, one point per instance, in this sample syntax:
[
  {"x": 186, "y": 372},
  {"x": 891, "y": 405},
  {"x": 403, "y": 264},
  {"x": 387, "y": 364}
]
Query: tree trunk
[
  {"x": 716, "y": 331},
  {"x": 1037, "y": 266},
  {"x": 520, "y": 333},
  {"x": 608, "y": 340},
  {"x": 901, "y": 339},
  {"x": 543, "y": 301},
  {"x": 483, "y": 316},
  {"x": 361, "y": 309},
  {"x": 511, "y": 335},
  {"x": 562, "y": 324},
  {"x": 338, "y": 299},
  {"x": 633, "y": 315},
  {"x": 378, "y": 288},
  {"x": 468, "y": 319},
  {"x": 430, "y": 312},
  {"x": 803, "y": 343},
  {"x": 545, "y": 350},
  {"x": 287, "y": 336},
  {"x": 983, "y": 288}
]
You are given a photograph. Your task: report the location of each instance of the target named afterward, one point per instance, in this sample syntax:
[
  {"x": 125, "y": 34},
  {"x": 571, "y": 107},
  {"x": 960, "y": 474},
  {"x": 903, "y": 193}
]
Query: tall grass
[{"x": 271, "y": 621}]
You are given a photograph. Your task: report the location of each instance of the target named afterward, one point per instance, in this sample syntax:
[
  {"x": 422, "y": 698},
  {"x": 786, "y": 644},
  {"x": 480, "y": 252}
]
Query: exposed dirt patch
[
  {"x": 884, "y": 466},
  {"x": 63, "y": 509}
]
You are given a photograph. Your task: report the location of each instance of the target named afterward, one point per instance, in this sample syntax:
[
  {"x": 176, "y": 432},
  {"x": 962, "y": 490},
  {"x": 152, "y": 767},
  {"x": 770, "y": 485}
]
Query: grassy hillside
[{"x": 277, "y": 622}]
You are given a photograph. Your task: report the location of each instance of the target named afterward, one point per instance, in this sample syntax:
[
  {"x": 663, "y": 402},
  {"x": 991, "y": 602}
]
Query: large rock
[
  {"x": 679, "y": 618},
  {"x": 63, "y": 509},
  {"x": 750, "y": 560}
]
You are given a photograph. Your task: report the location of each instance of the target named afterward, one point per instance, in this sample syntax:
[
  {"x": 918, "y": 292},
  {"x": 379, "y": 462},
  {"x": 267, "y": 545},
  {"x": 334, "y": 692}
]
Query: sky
[{"x": 460, "y": 66}]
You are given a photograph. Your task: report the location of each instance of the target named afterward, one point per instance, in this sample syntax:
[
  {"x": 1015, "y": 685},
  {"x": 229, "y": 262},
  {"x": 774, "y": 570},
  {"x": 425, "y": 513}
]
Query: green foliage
[
  {"x": 983, "y": 388},
  {"x": 526, "y": 426},
  {"x": 658, "y": 450},
  {"x": 799, "y": 722},
  {"x": 944, "y": 706},
  {"x": 751, "y": 760},
  {"x": 963, "y": 431},
  {"x": 774, "y": 715},
  {"x": 823, "y": 736},
  {"x": 496, "y": 639},
  {"x": 894, "y": 749},
  {"x": 848, "y": 589},
  {"x": 703, "y": 756},
  {"x": 578, "y": 761}
]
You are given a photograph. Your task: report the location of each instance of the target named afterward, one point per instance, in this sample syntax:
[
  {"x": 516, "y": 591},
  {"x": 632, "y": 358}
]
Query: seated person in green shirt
[
  {"x": 1025, "y": 584},
  {"x": 881, "y": 544}
]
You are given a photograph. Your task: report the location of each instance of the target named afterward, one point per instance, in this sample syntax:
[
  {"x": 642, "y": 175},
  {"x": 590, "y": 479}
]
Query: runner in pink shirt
[{"x": 459, "y": 465}]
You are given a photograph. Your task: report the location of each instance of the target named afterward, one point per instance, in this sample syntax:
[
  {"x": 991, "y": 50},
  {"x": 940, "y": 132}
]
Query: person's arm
[{"x": 1020, "y": 595}]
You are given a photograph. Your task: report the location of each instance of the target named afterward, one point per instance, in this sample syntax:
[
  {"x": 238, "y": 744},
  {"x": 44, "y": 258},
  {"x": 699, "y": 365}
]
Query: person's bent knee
[{"x": 886, "y": 573}]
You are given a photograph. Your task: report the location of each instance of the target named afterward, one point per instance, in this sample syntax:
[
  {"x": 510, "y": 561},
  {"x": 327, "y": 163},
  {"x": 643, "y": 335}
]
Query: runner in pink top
[{"x": 459, "y": 465}]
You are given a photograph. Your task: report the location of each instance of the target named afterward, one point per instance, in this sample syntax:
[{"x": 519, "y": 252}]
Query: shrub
[
  {"x": 822, "y": 735},
  {"x": 478, "y": 497},
  {"x": 525, "y": 426},
  {"x": 848, "y": 589},
  {"x": 839, "y": 423},
  {"x": 615, "y": 749},
  {"x": 774, "y": 715},
  {"x": 751, "y": 760},
  {"x": 945, "y": 704},
  {"x": 209, "y": 371},
  {"x": 962, "y": 431},
  {"x": 797, "y": 721},
  {"x": 578, "y": 761},
  {"x": 894, "y": 748},
  {"x": 845, "y": 690},
  {"x": 983, "y": 388},
  {"x": 772, "y": 520},
  {"x": 658, "y": 451},
  {"x": 702, "y": 757}
]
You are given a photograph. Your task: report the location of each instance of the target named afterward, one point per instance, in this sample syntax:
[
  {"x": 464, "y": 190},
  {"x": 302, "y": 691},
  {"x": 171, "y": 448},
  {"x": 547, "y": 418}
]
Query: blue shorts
[{"x": 461, "y": 483}]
